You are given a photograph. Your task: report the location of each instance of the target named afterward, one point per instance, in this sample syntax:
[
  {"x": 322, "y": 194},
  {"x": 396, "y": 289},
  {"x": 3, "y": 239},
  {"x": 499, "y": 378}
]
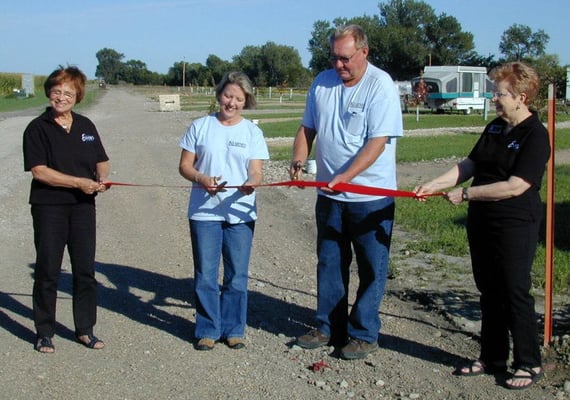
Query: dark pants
[
  {"x": 56, "y": 226},
  {"x": 502, "y": 253}
]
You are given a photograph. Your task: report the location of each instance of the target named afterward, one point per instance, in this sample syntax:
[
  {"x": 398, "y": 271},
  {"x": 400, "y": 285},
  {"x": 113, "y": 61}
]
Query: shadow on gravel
[
  {"x": 452, "y": 304},
  {"x": 144, "y": 296},
  {"x": 8, "y": 302},
  {"x": 278, "y": 316},
  {"x": 165, "y": 292},
  {"x": 418, "y": 350},
  {"x": 264, "y": 312}
]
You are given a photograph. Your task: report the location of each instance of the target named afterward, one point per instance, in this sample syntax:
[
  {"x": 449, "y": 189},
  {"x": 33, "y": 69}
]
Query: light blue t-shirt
[
  {"x": 223, "y": 151},
  {"x": 345, "y": 118}
]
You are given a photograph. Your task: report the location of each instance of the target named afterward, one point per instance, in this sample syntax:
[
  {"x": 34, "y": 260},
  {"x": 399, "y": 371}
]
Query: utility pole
[{"x": 183, "y": 72}]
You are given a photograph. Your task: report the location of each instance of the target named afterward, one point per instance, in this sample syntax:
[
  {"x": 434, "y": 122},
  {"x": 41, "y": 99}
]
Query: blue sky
[{"x": 39, "y": 35}]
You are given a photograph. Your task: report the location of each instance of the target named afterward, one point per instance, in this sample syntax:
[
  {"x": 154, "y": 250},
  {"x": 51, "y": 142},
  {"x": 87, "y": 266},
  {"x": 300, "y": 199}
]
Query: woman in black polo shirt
[
  {"x": 64, "y": 152},
  {"x": 507, "y": 165}
]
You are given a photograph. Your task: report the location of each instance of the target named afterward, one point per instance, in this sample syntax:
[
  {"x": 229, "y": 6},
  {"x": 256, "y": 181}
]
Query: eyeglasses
[
  {"x": 344, "y": 60},
  {"x": 498, "y": 95},
  {"x": 58, "y": 93}
]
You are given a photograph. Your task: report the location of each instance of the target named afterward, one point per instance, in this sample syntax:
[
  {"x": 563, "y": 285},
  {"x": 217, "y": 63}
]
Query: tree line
[{"x": 405, "y": 36}]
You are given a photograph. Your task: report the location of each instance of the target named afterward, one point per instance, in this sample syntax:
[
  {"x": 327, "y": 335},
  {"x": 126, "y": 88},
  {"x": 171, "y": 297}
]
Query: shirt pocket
[{"x": 355, "y": 125}]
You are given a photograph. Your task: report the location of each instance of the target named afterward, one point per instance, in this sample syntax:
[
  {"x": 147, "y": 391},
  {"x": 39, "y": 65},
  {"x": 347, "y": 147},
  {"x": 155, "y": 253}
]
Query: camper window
[
  {"x": 451, "y": 86},
  {"x": 467, "y": 82}
]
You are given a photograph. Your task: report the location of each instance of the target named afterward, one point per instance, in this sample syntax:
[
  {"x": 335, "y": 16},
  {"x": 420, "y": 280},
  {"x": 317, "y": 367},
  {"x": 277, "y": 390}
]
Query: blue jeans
[
  {"x": 342, "y": 226},
  {"x": 221, "y": 313}
]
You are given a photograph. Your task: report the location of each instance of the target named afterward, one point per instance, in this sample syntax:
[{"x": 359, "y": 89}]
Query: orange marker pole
[{"x": 549, "y": 245}]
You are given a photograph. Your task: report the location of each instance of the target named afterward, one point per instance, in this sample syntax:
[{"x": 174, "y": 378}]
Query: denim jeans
[
  {"x": 221, "y": 312},
  {"x": 365, "y": 227}
]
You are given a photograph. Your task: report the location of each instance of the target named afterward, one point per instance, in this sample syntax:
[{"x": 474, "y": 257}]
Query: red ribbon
[{"x": 339, "y": 187}]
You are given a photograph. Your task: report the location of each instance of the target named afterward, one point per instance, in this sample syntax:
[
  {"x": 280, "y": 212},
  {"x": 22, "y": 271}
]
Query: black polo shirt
[
  {"x": 522, "y": 152},
  {"x": 75, "y": 153}
]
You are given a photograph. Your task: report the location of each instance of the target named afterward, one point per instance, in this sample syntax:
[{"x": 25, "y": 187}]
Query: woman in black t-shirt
[
  {"x": 64, "y": 152},
  {"x": 507, "y": 165}
]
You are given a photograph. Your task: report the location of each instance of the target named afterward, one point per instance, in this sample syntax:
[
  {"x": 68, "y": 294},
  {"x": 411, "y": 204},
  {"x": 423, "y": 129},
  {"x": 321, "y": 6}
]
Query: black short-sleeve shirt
[
  {"x": 522, "y": 152},
  {"x": 75, "y": 153}
]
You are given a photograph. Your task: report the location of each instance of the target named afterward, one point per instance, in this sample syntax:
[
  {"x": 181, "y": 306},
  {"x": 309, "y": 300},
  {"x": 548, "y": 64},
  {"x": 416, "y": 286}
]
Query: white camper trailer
[{"x": 454, "y": 88}]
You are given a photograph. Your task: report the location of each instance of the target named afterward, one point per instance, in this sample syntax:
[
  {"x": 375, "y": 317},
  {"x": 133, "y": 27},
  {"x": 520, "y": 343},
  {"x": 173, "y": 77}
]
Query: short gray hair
[{"x": 356, "y": 31}]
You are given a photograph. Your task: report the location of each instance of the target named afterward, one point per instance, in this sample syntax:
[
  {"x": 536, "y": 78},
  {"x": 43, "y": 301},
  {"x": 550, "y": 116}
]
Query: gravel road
[{"x": 146, "y": 307}]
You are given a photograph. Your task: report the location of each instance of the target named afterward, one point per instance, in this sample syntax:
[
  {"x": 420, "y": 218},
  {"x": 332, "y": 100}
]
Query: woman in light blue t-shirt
[{"x": 223, "y": 149}]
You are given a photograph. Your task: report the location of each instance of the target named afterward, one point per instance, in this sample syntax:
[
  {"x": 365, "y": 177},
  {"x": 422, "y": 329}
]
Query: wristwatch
[{"x": 464, "y": 194}]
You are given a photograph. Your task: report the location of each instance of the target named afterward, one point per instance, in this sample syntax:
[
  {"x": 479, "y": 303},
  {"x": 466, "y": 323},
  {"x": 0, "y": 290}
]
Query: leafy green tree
[
  {"x": 281, "y": 65},
  {"x": 272, "y": 65},
  {"x": 174, "y": 75},
  {"x": 519, "y": 42},
  {"x": 110, "y": 65},
  {"x": 197, "y": 75},
  {"x": 549, "y": 70},
  {"x": 217, "y": 68},
  {"x": 448, "y": 43},
  {"x": 319, "y": 46},
  {"x": 136, "y": 72},
  {"x": 249, "y": 61},
  {"x": 475, "y": 59},
  {"x": 416, "y": 36},
  {"x": 402, "y": 38}
]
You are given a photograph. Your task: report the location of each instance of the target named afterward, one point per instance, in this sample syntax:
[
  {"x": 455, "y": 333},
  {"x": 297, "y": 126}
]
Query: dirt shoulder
[{"x": 147, "y": 311}]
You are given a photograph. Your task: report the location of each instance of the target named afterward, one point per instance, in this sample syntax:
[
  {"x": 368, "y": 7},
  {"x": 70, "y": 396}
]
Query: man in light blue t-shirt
[{"x": 353, "y": 110}]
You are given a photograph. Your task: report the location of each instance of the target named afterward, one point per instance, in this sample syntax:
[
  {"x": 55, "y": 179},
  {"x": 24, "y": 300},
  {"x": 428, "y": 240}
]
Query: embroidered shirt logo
[
  {"x": 495, "y": 129},
  {"x": 514, "y": 145},
  {"x": 87, "y": 138}
]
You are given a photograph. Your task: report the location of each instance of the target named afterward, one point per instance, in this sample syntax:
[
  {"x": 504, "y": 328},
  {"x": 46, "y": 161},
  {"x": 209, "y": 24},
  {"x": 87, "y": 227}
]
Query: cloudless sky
[{"x": 38, "y": 35}]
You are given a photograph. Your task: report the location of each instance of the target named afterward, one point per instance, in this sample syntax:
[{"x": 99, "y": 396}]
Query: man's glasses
[
  {"x": 59, "y": 93},
  {"x": 344, "y": 60}
]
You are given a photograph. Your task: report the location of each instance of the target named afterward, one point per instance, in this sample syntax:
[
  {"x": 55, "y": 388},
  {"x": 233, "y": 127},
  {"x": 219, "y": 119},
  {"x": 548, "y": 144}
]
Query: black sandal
[
  {"x": 44, "y": 342},
  {"x": 532, "y": 377},
  {"x": 93, "y": 340},
  {"x": 476, "y": 368}
]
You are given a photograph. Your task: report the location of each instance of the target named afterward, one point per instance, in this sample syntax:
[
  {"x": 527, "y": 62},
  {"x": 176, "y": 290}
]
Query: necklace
[{"x": 65, "y": 123}]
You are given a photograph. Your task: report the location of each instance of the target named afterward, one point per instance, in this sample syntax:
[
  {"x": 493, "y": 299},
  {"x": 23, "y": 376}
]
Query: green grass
[
  {"x": 440, "y": 228},
  {"x": 279, "y": 129},
  {"x": 39, "y": 100},
  {"x": 434, "y": 147},
  {"x": 266, "y": 116},
  {"x": 431, "y": 120},
  {"x": 410, "y": 149},
  {"x": 16, "y": 104},
  {"x": 561, "y": 232}
]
